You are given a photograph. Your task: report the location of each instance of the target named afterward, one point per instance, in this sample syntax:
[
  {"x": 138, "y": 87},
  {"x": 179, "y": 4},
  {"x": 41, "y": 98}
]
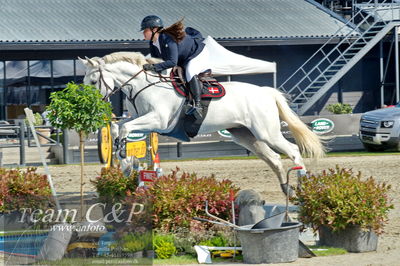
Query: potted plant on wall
[
  {"x": 22, "y": 194},
  {"x": 340, "y": 108},
  {"x": 347, "y": 210}
]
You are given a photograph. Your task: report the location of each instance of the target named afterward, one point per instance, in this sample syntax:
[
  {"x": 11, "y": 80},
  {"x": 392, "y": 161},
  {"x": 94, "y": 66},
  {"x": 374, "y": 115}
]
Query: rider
[{"x": 177, "y": 47}]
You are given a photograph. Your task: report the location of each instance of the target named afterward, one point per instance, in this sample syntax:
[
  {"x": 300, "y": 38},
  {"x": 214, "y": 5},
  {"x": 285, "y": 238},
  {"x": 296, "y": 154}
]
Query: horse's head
[
  {"x": 98, "y": 76},
  {"x": 102, "y": 72}
]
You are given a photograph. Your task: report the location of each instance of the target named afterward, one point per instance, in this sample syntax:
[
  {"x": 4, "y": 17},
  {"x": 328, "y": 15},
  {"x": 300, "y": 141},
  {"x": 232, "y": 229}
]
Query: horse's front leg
[
  {"x": 147, "y": 123},
  {"x": 115, "y": 129}
]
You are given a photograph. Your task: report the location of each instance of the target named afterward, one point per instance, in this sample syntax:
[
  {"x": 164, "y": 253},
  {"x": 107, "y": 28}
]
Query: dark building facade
[{"x": 30, "y": 69}]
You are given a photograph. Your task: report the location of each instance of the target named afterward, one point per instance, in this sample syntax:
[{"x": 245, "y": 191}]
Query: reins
[
  {"x": 117, "y": 89},
  {"x": 133, "y": 99},
  {"x": 162, "y": 79}
]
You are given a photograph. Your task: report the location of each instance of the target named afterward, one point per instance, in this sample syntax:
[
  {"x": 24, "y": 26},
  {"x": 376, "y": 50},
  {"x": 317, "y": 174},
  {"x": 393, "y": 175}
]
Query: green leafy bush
[
  {"x": 177, "y": 199},
  {"x": 132, "y": 242},
  {"x": 164, "y": 245},
  {"x": 23, "y": 189},
  {"x": 217, "y": 235},
  {"x": 112, "y": 186},
  {"x": 340, "y": 108},
  {"x": 338, "y": 198},
  {"x": 38, "y": 120},
  {"x": 215, "y": 241}
]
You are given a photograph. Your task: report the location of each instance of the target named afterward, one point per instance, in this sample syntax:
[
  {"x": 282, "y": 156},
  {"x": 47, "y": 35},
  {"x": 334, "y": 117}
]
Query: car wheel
[{"x": 374, "y": 148}]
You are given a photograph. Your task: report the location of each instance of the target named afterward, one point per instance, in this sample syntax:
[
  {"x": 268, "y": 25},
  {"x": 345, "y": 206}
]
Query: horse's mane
[{"x": 131, "y": 57}]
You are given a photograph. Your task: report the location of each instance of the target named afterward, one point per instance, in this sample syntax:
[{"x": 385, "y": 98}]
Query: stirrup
[{"x": 197, "y": 112}]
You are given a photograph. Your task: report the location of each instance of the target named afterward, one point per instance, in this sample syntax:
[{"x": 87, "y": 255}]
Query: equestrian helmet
[{"x": 151, "y": 21}]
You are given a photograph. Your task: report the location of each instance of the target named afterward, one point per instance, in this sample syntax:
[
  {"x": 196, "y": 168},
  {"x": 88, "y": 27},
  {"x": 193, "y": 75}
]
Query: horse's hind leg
[
  {"x": 245, "y": 138},
  {"x": 270, "y": 133},
  {"x": 290, "y": 149}
]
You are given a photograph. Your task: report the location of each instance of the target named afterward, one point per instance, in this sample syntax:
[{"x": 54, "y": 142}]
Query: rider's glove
[{"x": 149, "y": 67}]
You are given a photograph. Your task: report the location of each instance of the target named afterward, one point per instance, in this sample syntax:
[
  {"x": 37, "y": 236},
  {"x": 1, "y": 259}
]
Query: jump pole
[{"x": 30, "y": 118}]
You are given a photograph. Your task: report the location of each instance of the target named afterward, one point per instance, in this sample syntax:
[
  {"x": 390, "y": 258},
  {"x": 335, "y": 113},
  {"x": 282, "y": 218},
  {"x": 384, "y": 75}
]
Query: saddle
[
  {"x": 187, "y": 126},
  {"x": 211, "y": 87}
]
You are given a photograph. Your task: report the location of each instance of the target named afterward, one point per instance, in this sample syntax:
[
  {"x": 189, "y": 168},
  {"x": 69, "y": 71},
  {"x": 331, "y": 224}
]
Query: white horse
[{"x": 250, "y": 113}]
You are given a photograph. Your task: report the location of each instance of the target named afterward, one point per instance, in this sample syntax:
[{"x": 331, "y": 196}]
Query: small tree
[{"x": 81, "y": 108}]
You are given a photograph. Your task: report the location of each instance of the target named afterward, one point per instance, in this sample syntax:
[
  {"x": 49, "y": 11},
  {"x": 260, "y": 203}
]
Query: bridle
[
  {"x": 131, "y": 99},
  {"x": 116, "y": 89}
]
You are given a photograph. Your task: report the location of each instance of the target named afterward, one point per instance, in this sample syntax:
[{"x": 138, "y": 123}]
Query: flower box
[{"x": 353, "y": 239}]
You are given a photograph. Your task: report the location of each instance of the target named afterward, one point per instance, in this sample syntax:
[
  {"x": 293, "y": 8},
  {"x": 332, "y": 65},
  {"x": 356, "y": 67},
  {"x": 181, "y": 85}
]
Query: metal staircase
[{"x": 328, "y": 65}]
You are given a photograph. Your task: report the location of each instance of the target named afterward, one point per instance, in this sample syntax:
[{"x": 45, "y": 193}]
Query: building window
[
  {"x": 2, "y": 92},
  {"x": 30, "y": 83}
]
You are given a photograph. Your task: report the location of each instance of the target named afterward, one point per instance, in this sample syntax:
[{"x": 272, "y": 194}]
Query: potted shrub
[
  {"x": 21, "y": 193},
  {"x": 347, "y": 210},
  {"x": 340, "y": 108},
  {"x": 169, "y": 193},
  {"x": 113, "y": 187}
]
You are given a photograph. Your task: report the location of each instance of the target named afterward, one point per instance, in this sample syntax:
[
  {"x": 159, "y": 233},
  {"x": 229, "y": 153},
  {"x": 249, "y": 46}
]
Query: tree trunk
[{"x": 82, "y": 149}]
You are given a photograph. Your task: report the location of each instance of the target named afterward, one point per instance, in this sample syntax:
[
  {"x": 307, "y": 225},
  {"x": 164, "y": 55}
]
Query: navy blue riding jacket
[{"x": 177, "y": 54}]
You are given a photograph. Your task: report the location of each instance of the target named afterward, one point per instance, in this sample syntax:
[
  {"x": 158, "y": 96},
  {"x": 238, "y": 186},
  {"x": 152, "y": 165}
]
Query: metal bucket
[
  {"x": 270, "y": 245},
  {"x": 273, "y": 221}
]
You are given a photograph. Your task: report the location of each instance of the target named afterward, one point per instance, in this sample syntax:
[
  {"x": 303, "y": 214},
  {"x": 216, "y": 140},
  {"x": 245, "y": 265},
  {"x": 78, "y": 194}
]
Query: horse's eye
[{"x": 93, "y": 82}]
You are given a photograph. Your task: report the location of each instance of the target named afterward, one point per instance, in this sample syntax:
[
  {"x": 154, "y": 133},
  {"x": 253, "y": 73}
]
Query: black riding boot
[{"x": 195, "y": 87}]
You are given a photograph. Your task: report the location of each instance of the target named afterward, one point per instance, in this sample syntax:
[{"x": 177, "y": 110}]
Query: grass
[
  {"x": 329, "y": 154},
  {"x": 96, "y": 261},
  {"x": 327, "y": 251},
  {"x": 361, "y": 153},
  {"x": 176, "y": 260},
  {"x": 191, "y": 259}
]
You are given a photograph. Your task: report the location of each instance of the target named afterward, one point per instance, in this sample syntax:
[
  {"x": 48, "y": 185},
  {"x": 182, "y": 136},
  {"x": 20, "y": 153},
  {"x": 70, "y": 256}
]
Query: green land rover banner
[
  {"x": 322, "y": 125},
  {"x": 136, "y": 136}
]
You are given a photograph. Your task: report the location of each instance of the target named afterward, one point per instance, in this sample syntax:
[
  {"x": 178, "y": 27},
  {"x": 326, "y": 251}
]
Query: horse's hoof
[
  {"x": 121, "y": 148},
  {"x": 116, "y": 144},
  {"x": 122, "y": 154}
]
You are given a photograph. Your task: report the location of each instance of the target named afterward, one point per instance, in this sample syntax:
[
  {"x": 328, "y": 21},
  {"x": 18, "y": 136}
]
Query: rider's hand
[{"x": 149, "y": 67}]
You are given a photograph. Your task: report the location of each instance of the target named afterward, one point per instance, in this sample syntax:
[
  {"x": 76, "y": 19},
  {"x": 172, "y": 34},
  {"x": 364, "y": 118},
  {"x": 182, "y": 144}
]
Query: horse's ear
[
  {"x": 88, "y": 62},
  {"x": 84, "y": 61}
]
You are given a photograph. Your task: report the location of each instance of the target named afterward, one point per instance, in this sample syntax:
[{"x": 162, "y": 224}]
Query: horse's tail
[{"x": 308, "y": 142}]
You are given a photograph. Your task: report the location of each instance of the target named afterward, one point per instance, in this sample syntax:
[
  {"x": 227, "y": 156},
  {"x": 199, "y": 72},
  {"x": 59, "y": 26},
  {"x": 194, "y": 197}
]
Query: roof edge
[
  {"x": 333, "y": 14},
  {"x": 7, "y": 46},
  {"x": 72, "y": 45}
]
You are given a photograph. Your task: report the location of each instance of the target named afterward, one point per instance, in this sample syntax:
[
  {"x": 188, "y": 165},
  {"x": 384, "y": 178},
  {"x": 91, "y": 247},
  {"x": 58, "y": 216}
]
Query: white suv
[{"x": 380, "y": 129}]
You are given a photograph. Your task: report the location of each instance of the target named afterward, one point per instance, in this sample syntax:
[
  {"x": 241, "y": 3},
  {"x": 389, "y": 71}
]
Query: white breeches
[{"x": 198, "y": 64}]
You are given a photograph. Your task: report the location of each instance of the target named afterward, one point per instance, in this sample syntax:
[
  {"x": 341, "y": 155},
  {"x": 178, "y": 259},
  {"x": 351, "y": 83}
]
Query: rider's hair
[{"x": 176, "y": 31}]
